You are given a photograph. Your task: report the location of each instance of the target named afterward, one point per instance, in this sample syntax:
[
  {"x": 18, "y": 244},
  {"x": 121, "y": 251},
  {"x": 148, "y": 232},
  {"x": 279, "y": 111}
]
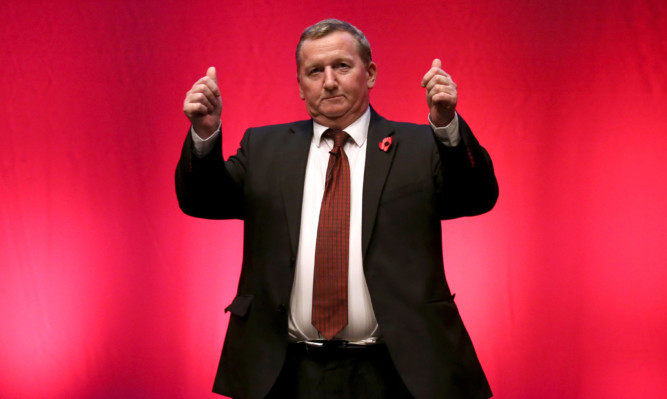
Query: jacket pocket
[
  {"x": 447, "y": 314},
  {"x": 240, "y": 305},
  {"x": 403, "y": 191},
  {"x": 446, "y": 298}
]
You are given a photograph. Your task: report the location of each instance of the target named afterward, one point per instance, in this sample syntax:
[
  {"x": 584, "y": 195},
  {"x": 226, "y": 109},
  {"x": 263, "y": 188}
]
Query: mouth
[{"x": 333, "y": 97}]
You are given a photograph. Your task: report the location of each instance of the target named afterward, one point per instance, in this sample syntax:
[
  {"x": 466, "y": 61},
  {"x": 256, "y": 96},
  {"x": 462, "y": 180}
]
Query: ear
[
  {"x": 371, "y": 74},
  {"x": 298, "y": 79}
]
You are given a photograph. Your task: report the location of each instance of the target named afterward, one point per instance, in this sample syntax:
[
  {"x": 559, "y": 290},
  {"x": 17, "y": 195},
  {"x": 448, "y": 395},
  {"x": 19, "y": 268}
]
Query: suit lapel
[
  {"x": 292, "y": 176},
  {"x": 378, "y": 163}
]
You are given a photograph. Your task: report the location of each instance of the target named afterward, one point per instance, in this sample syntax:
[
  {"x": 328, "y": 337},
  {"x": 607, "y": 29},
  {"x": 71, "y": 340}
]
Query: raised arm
[{"x": 205, "y": 186}]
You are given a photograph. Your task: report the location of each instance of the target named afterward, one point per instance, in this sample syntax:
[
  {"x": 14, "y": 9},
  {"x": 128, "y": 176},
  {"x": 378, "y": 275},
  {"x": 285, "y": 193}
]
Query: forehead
[{"x": 333, "y": 45}]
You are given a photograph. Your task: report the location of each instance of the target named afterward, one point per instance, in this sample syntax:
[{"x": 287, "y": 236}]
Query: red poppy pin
[{"x": 386, "y": 143}]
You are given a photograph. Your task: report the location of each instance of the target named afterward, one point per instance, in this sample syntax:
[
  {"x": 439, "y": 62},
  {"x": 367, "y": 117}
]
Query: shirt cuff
[
  {"x": 202, "y": 147},
  {"x": 449, "y": 135}
]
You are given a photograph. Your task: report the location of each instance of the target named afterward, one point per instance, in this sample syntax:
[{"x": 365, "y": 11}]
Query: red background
[{"x": 108, "y": 291}]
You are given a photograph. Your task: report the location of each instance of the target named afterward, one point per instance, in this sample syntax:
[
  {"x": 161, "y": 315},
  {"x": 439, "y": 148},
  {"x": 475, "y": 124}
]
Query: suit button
[{"x": 282, "y": 308}]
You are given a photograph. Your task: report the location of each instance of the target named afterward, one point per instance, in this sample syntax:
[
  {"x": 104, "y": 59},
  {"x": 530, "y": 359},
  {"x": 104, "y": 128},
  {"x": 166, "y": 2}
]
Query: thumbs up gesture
[
  {"x": 441, "y": 95},
  {"x": 203, "y": 104}
]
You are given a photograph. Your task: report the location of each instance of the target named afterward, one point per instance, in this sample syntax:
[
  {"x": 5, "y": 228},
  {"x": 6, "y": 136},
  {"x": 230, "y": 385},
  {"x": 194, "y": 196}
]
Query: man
[{"x": 372, "y": 317}]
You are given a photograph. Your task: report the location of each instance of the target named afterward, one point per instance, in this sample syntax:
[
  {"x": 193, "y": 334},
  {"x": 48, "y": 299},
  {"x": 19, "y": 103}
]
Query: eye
[{"x": 315, "y": 71}]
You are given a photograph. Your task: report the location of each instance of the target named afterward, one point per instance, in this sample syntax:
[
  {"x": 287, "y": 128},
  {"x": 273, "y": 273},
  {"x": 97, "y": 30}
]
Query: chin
[{"x": 333, "y": 112}]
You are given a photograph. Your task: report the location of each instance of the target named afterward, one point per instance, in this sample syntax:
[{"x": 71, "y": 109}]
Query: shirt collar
[{"x": 358, "y": 130}]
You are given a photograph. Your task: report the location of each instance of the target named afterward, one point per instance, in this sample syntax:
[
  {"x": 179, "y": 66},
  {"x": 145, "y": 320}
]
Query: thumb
[
  {"x": 212, "y": 74},
  {"x": 436, "y": 63}
]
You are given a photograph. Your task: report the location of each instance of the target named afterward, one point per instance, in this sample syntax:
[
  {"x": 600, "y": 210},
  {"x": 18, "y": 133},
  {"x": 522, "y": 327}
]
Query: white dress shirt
[
  {"x": 362, "y": 325},
  {"x": 361, "y": 319}
]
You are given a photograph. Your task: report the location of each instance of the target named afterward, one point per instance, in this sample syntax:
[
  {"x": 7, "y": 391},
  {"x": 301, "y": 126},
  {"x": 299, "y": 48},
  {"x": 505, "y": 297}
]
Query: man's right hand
[{"x": 203, "y": 104}]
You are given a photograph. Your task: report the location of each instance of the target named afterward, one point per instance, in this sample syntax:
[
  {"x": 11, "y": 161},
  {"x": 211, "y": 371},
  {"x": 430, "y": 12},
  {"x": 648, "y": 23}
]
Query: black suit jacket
[{"x": 407, "y": 191}]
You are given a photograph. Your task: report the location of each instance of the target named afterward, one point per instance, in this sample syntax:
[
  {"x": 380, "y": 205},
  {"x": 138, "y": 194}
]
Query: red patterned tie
[{"x": 333, "y": 243}]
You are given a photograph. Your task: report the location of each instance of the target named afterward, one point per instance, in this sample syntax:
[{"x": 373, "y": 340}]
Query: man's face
[{"x": 333, "y": 80}]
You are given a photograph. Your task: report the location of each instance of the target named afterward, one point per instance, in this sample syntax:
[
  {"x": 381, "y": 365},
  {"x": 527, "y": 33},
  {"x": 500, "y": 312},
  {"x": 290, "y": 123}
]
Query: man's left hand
[{"x": 441, "y": 95}]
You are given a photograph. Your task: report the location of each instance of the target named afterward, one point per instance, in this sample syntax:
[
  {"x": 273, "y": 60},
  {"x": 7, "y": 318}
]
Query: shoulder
[
  {"x": 382, "y": 123},
  {"x": 270, "y": 139},
  {"x": 282, "y": 127},
  {"x": 411, "y": 134},
  {"x": 411, "y": 128},
  {"x": 274, "y": 135}
]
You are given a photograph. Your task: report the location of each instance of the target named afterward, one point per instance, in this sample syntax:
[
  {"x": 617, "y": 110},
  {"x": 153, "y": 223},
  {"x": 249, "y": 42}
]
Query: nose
[{"x": 330, "y": 82}]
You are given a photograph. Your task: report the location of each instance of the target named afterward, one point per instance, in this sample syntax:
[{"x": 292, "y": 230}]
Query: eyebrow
[{"x": 346, "y": 59}]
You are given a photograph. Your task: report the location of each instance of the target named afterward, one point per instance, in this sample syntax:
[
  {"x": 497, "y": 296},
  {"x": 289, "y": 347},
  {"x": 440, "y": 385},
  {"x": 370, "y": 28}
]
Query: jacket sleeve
[
  {"x": 465, "y": 180},
  {"x": 210, "y": 187}
]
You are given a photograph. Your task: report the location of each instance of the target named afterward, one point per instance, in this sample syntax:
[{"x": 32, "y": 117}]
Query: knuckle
[
  {"x": 201, "y": 98},
  {"x": 201, "y": 88}
]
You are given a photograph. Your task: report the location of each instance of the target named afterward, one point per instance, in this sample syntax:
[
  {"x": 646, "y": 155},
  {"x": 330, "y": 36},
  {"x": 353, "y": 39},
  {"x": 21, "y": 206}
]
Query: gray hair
[{"x": 329, "y": 26}]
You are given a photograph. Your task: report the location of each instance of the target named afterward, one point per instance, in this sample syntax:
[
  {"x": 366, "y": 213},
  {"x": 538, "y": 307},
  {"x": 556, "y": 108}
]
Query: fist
[
  {"x": 441, "y": 96},
  {"x": 203, "y": 104}
]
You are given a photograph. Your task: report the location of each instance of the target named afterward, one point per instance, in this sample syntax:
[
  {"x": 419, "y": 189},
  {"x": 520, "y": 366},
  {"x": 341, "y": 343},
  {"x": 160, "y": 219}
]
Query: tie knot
[{"x": 339, "y": 137}]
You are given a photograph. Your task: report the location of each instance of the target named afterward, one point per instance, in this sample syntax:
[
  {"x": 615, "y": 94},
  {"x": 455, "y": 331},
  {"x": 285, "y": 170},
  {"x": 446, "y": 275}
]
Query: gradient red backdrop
[{"x": 108, "y": 291}]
